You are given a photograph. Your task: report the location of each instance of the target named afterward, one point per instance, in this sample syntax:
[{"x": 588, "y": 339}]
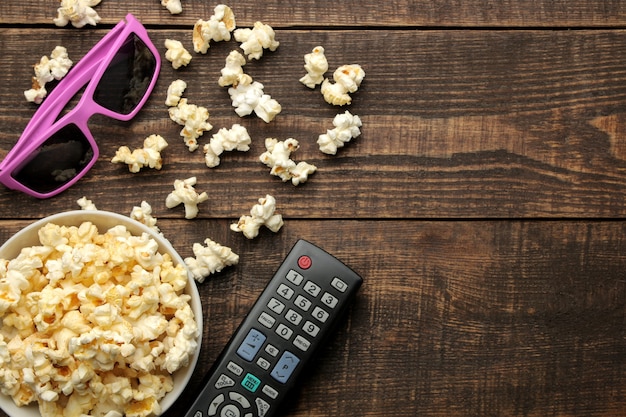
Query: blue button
[
  {"x": 251, "y": 345},
  {"x": 251, "y": 382},
  {"x": 285, "y": 367}
]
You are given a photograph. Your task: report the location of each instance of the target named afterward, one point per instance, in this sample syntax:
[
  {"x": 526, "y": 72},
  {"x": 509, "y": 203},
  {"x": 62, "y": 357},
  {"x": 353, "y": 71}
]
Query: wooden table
[{"x": 482, "y": 204}]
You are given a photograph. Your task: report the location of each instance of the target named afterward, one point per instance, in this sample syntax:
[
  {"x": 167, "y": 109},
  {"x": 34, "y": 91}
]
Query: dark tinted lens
[
  {"x": 126, "y": 79},
  {"x": 63, "y": 156}
]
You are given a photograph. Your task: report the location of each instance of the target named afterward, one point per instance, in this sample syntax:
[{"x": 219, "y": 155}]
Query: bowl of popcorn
[{"x": 99, "y": 317}]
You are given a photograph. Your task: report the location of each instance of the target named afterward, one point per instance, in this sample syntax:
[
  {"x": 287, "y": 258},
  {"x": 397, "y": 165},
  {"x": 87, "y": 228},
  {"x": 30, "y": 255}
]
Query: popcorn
[
  {"x": 48, "y": 69},
  {"x": 277, "y": 157},
  {"x": 143, "y": 214},
  {"x": 232, "y": 73},
  {"x": 176, "y": 53},
  {"x": 175, "y": 92},
  {"x": 315, "y": 65},
  {"x": 255, "y": 40},
  {"x": 248, "y": 97},
  {"x": 210, "y": 259},
  {"x": 194, "y": 120},
  {"x": 149, "y": 156},
  {"x": 185, "y": 193},
  {"x": 347, "y": 78},
  {"x": 173, "y": 6},
  {"x": 78, "y": 12},
  {"x": 236, "y": 137},
  {"x": 104, "y": 323},
  {"x": 216, "y": 29},
  {"x": 346, "y": 127},
  {"x": 261, "y": 214},
  {"x": 86, "y": 204}
]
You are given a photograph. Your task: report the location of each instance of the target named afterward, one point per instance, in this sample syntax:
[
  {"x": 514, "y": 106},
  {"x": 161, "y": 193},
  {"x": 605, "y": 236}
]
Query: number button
[
  {"x": 312, "y": 288},
  {"x": 320, "y": 314},
  {"x": 294, "y": 277},
  {"x": 329, "y": 300},
  {"x": 285, "y": 292},
  {"x": 310, "y": 329},
  {"x": 302, "y": 303},
  {"x": 276, "y": 306},
  {"x": 284, "y": 331},
  {"x": 293, "y": 317}
]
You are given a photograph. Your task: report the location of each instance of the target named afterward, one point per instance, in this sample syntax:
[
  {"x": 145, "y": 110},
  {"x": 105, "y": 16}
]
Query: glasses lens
[
  {"x": 127, "y": 78},
  {"x": 59, "y": 159}
]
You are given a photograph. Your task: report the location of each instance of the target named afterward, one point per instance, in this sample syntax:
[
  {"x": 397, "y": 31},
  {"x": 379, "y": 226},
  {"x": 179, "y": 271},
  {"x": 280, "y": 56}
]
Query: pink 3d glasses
[{"x": 54, "y": 152}]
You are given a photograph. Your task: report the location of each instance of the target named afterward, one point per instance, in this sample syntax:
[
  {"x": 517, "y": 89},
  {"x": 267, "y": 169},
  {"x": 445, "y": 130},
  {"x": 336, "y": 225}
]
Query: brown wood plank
[
  {"x": 460, "y": 124},
  {"x": 455, "y": 318},
  {"x": 450, "y": 13}
]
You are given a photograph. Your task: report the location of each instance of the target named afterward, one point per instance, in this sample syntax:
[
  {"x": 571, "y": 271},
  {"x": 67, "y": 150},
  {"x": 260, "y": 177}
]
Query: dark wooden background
[{"x": 483, "y": 203}]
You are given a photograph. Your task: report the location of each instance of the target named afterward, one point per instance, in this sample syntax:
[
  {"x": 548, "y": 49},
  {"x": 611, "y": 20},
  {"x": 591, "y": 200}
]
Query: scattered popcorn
[
  {"x": 235, "y": 138},
  {"x": 173, "y": 6},
  {"x": 78, "y": 12},
  {"x": 316, "y": 66},
  {"x": 210, "y": 259},
  {"x": 175, "y": 92},
  {"x": 93, "y": 324},
  {"x": 347, "y": 78},
  {"x": 143, "y": 214},
  {"x": 232, "y": 73},
  {"x": 254, "y": 40},
  {"x": 277, "y": 157},
  {"x": 149, "y": 156},
  {"x": 249, "y": 97},
  {"x": 86, "y": 204},
  {"x": 193, "y": 118},
  {"x": 216, "y": 29},
  {"x": 346, "y": 127},
  {"x": 261, "y": 214},
  {"x": 176, "y": 53},
  {"x": 185, "y": 193},
  {"x": 48, "y": 69}
]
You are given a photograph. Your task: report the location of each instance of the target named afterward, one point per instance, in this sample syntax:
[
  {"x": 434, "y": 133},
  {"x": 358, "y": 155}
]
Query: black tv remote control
[{"x": 309, "y": 292}]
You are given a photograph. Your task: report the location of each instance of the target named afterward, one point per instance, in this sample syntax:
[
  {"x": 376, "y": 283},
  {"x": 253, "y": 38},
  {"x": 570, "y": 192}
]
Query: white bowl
[{"x": 104, "y": 220}]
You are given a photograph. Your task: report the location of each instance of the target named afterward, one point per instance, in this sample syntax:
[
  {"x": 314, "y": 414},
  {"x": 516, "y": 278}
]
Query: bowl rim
[{"x": 182, "y": 376}]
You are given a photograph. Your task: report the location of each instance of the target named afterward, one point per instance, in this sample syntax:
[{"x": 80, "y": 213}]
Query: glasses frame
[{"x": 86, "y": 73}]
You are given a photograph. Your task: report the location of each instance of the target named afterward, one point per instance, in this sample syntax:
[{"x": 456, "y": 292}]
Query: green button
[{"x": 251, "y": 382}]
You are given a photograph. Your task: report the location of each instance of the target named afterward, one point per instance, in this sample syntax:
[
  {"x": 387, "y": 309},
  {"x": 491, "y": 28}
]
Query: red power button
[{"x": 304, "y": 262}]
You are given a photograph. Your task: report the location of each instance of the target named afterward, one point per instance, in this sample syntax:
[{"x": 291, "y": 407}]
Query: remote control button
[
  {"x": 198, "y": 414},
  {"x": 251, "y": 345},
  {"x": 251, "y": 382},
  {"x": 262, "y": 407},
  {"x": 285, "y": 292},
  {"x": 270, "y": 392},
  {"x": 243, "y": 401},
  {"x": 230, "y": 410},
  {"x": 263, "y": 363},
  {"x": 272, "y": 350},
  {"x": 339, "y": 285},
  {"x": 312, "y": 288},
  {"x": 305, "y": 262},
  {"x": 329, "y": 300},
  {"x": 320, "y": 314},
  {"x": 293, "y": 317},
  {"x": 310, "y": 329},
  {"x": 285, "y": 367},
  {"x": 267, "y": 320},
  {"x": 294, "y": 277},
  {"x": 276, "y": 306},
  {"x": 284, "y": 331},
  {"x": 217, "y": 401},
  {"x": 301, "y": 343},
  {"x": 302, "y": 303},
  {"x": 224, "y": 381},
  {"x": 234, "y": 368}
]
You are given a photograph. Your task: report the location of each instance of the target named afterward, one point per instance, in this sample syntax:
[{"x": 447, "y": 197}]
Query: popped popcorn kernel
[
  {"x": 77, "y": 12},
  {"x": 316, "y": 65},
  {"x": 194, "y": 119},
  {"x": 248, "y": 97},
  {"x": 232, "y": 73},
  {"x": 277, "y": 157},
  {"x": 346, "y": 128},
  {"x": 175, "y": 92},
  {"x": 177, "y": 54},
  {"x": 53, "y": 68},
  {"x": 217, "y": 28},
  {"x": 143, "y": 214},
  {"x": 347, "y": 79},
  {"x": 148, "y": 156},
  {"x": 262, "y": 214},
  {"x": 173, "y": 6},
  {"x": 235, "y": 138},
  {"x": 255, "y": 40},
  {"x": 210, "y": 259},
  {"x": 86, "y": 204},
  {"x": 185, "y": 193}
]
